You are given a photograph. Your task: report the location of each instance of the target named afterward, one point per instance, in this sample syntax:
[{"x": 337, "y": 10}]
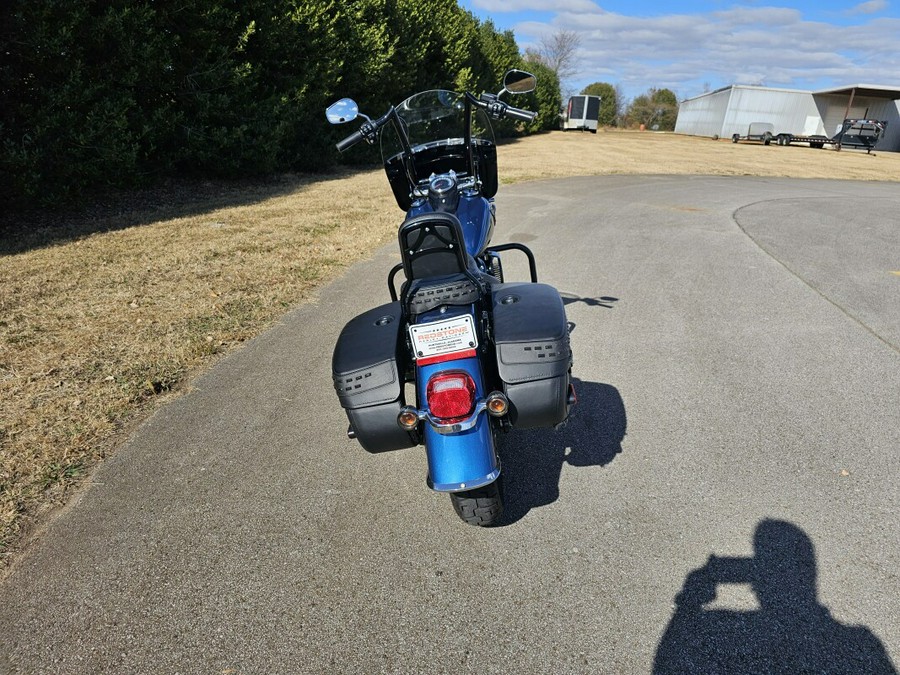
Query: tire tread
[{"x": 482, "y": 506}]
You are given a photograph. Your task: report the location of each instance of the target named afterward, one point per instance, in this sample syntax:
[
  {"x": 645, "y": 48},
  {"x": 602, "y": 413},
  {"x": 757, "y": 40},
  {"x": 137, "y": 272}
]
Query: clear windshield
[{"x": 433, "y": 120}]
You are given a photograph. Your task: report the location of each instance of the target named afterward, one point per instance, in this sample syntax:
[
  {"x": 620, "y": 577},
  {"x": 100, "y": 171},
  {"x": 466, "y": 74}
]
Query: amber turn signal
[
  {"x": 497, "y": 404},
  {"x": 408, "y": 419}
]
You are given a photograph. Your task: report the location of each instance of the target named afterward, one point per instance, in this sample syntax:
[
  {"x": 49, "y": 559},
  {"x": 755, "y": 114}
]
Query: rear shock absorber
[{"x": 495, "y": 267}]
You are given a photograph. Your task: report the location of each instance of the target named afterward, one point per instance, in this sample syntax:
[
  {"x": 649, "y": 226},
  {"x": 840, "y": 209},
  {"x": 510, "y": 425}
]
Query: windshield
[
  {"x": 434, "y": 123},
  {"x": 433, "y": 120}
]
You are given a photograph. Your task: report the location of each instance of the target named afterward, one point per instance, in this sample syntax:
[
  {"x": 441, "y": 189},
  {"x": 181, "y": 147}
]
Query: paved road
[{"x": 736, "y": 344}]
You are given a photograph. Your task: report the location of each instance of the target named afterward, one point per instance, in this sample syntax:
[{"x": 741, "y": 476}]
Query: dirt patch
[{"x": 103, "y": 316}]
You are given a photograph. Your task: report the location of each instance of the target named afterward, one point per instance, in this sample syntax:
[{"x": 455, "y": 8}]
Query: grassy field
[{"x": 107, "y": 314}]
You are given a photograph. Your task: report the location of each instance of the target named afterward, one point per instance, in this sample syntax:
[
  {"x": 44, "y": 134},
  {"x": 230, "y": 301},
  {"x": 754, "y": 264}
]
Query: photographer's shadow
[
  {"x": 532, "y": 459},
  {"x": 790, "y": 632}
]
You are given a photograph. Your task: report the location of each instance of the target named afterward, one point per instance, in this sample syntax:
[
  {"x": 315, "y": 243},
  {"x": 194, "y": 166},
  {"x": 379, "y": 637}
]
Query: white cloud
[
  {"x": 769, "y": 45},
  {"x": 871, "y": 7},
  {"x": 758, "y": 16},
  {"x": 537, "y": 5}
]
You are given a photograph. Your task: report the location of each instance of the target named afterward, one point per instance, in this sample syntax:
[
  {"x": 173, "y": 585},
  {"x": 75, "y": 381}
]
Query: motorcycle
[{"x": 482, "y": 355}]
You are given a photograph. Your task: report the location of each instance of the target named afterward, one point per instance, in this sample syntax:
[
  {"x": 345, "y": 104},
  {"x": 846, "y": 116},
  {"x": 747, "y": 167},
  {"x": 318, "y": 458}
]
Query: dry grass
[
  {"x": 101, "y": 316},
  {"x": 95, "y": 328},
  {"x": 632, "y": 152}
]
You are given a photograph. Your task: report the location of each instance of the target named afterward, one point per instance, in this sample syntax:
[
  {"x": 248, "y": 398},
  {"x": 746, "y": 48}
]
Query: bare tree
[
  {"x": 558, "y": 52},
  {"x": 620, "y": 105}
]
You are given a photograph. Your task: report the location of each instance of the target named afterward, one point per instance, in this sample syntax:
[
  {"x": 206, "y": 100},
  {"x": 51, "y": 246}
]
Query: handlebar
[
  {"x": 366, "y": 132},
  {"x": 519, "y": 114},
  {"x": 497, "y": 109},
  {"x": 350, "y": 141},
  {"x": 490, "y": 103}
]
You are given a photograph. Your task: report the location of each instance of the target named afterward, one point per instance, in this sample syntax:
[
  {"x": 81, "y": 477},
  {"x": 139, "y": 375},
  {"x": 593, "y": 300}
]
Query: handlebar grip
[
  {"x": 350, "y": 141},
  {"x": 519, "y": 114}
]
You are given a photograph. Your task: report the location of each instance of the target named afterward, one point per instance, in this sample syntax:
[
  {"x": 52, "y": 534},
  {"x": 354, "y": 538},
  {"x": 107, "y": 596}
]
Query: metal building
[{"x": 732, "y": 109}]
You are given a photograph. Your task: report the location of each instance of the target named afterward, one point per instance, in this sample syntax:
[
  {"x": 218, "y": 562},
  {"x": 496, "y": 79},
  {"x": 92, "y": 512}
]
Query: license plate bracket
[{"x": 444, "y": 338}]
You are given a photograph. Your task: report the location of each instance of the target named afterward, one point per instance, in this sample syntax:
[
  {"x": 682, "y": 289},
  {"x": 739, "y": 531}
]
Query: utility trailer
[
  {"x": 757, "y": 131},
  {"x": 854, "y": 133},
  {"x": 582, "y": 112}
]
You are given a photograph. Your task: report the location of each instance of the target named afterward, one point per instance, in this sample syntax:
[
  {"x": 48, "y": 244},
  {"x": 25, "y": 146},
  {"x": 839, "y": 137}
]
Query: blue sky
[{"x": 698, "y": 45}]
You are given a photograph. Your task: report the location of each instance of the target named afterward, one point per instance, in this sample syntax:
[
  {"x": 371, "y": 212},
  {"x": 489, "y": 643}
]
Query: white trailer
[{"x": 582, "y": 113}]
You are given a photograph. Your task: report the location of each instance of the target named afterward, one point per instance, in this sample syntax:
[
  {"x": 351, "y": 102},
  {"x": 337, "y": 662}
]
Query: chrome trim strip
[
  {"x": 446, "y": 428},
  {"x": 460, "y": 487},
  {"x": 455, "y": 427}
]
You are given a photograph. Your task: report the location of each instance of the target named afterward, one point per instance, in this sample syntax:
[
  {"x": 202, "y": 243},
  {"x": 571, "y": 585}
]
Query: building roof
[
  {"x": 747, "y": 86},
  {"x": 867, "y": 90}
]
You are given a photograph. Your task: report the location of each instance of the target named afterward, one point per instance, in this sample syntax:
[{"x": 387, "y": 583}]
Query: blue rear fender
[{"x": 463, "y": 460}]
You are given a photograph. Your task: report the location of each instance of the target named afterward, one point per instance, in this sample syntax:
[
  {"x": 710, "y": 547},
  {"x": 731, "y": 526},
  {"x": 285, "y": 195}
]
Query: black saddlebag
[
  {"x": 531, "y": 335},
  {"x": 368, "y": 377}
]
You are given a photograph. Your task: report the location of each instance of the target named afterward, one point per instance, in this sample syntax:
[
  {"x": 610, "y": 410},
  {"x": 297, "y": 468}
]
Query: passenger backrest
[{"x": 432, "y": 245}]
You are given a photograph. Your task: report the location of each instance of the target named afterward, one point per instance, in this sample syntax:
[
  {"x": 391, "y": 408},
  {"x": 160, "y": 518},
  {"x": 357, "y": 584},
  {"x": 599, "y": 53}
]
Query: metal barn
[{"x": 732, "y": 109}]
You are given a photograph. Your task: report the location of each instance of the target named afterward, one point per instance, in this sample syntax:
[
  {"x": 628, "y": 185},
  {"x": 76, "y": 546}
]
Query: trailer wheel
[
  {"x": 767, "y": 138},
  {"x": 735, "y": 138}
]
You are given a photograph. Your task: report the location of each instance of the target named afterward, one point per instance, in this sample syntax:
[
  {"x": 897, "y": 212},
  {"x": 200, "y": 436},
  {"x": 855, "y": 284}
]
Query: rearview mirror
[
  {"x": 342, "y": 111},
  {"x": 519, "y": 82}
]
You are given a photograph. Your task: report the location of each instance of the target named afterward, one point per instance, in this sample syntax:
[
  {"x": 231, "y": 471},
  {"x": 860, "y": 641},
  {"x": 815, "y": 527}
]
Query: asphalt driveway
[{"x": 736, "y": 353}]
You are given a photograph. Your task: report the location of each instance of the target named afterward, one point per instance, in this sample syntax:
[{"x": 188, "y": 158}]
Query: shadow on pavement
[
  {"x": 789, "y": 632},
  {"x": 532, "y": 459},
  {"x": 604, "y": 301}
]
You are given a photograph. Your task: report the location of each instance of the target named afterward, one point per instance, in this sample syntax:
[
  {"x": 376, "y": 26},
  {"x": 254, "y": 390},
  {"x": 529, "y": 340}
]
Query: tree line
[
  {"x": 100, "y": 94},
  {"x": 655, "y": 108}
]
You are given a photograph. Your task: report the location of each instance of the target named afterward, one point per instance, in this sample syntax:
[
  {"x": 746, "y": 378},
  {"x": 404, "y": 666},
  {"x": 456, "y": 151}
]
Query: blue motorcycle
[{"x": 484, "y": 355}]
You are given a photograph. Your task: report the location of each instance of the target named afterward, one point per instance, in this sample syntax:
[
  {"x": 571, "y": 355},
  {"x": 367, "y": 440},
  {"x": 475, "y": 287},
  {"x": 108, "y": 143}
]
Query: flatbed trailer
[
  {"x": 757, "y": 131},
  {"x": 854, "y": 133},
  {"x": 815, "y": 141}
]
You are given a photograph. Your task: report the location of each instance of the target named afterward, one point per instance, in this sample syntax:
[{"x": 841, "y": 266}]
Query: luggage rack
[{"x": 532, "y": 267}]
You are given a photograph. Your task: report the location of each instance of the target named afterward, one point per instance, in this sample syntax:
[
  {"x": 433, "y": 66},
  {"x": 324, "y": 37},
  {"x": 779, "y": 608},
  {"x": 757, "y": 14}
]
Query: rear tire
[{"x": 482, "y": 506}]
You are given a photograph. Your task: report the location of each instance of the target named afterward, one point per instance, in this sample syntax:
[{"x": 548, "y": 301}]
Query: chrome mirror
[
  {"x": 519, "y": 82},
  {"x": 342, "y": 111}
]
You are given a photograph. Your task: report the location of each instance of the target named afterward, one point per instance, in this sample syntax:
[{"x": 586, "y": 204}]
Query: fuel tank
[{"x": 476, "y": 215}]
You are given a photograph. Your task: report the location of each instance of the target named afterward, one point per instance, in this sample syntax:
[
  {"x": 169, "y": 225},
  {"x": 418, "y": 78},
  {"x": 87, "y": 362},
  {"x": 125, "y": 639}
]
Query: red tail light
[{"x": 451, "y": 395}]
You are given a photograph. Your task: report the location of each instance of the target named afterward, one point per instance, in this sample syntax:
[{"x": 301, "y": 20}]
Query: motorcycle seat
[{"x": 423, "y": 295}]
